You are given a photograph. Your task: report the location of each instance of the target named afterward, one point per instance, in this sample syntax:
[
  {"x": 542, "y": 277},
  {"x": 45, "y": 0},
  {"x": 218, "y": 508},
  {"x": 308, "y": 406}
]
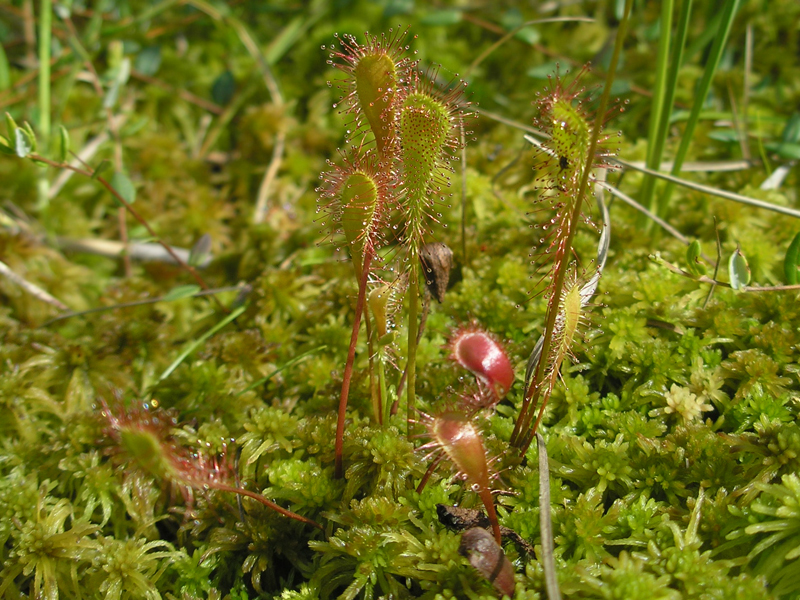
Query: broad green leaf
[
  {"x": 120, "y": 78},
  {"x": 62, "y": 10},
  {"x": 529, "y": 35},
  {"x": 223, "y": 89},
  {"x": 791, "y": 133},
  {"x": 398, "y": 7},
  {"x": 5, "y": 147},
  {"x": 724, "y": 135},
  {"x": 22, "y": 143},
  {"x": 784, "y": 149},
  {"x": 11, "y": 125},
  {"x": 201, "y": 251},
  {"x": 149, "y": 60},
  {"x": 124, "y": 186},
  {"x": 182, "y": 291},
  {"x": 31, "y": 136},
  {"x": 63, "y": 147},
  {"x": 738, "y": 270},
  {"x": 445, "y": 16},
  {"x": 695, "y": 267},
  {"x": 791, "y": 261}
]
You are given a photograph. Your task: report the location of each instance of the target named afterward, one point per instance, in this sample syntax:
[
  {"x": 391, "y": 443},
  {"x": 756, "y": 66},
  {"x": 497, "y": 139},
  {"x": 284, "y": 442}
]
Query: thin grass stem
[{"x": 45, "y": 37}]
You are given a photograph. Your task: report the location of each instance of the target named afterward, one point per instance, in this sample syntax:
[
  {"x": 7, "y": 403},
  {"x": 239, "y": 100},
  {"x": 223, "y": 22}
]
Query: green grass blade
[
  {"x": 659, "y": 109},
  {"x": 720, "y": 39},
  {"x": 200, "y": 341}
]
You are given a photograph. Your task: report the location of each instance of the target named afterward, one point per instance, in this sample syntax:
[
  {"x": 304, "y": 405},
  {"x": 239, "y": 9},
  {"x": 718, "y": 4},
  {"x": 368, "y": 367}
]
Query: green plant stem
[
  {"x": 385, "y": 406},
  {"x": 411, "y": 368},
  {"x": 523, "y": 432},
  {"x": 374, "y": 391},
  {"x": 45, "y": 34},
  {"x": 348, "y": 368}
]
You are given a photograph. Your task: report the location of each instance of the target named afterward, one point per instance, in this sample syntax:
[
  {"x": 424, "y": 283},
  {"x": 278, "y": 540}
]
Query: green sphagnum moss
[{"x": 672, "y": 428}]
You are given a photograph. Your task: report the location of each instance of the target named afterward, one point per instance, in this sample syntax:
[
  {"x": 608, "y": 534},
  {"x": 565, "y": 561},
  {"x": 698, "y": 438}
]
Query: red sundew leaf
[
  {"x": 462, "y": 442},
  {"x": 481, "y": 354}
]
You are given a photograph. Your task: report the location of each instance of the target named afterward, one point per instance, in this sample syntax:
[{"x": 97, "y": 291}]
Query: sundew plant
[{"x": 374, "y": 299}]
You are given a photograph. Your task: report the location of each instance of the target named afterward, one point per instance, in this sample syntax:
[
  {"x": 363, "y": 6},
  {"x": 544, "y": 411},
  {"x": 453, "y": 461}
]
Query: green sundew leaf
[
  {"x": 124, "y": 186},
  {"x": 375, "y": 75},
  {"x": 695, "y": 267},
  {"x": 223, "y": 89},
  {"x": 448, "y": 16},
  {"x": 148, "y": 60},
  {"x": 180, "y": 292},
  {"x": 5, "y": 71},
  {"x": 63, "y": 147},
  {"x": 101, "y": 167},
  {"x": 790, "y": 262},
  {"x": 22, "y": 143},
  {"x": 5, "y": 147},
  {"x": 738, "y": 270}
]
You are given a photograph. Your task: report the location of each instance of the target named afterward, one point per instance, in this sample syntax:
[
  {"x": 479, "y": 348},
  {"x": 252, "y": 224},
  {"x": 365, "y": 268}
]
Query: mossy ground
[{"x": 674, "y": 440}]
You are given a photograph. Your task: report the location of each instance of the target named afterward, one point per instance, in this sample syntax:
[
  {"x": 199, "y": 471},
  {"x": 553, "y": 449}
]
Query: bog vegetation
[{"x": 291, "y": 310}]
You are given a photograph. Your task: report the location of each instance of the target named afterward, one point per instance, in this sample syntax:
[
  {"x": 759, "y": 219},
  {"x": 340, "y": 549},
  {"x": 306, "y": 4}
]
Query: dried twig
[{"x": 33, "y": 289}]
